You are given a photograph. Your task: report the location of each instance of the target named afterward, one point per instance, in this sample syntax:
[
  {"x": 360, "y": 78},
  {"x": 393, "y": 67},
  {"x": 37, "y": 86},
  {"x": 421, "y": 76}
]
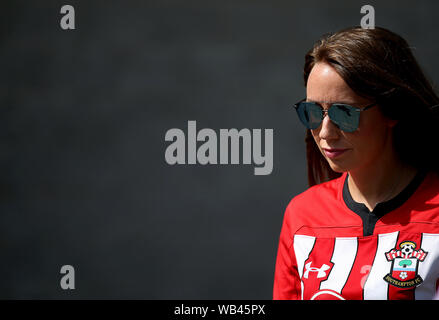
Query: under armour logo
[{"x": 321, "y": 272}]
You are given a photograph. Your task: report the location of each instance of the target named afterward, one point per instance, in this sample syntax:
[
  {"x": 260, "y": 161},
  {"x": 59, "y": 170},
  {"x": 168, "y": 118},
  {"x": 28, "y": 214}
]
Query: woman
[{"x": 368, "y": 227}]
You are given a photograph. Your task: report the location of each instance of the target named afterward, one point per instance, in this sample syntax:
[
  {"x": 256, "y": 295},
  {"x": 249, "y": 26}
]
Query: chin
[{"x": 338, "y": 167}]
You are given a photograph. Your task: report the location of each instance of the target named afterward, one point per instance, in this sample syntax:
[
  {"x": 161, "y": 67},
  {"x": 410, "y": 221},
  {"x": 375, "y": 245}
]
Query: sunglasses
[{"x": 346, "y": 117}]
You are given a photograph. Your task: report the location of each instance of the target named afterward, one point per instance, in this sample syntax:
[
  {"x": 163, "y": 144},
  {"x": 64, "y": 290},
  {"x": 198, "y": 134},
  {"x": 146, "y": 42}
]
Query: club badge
[{"x": 405, "y": 265}]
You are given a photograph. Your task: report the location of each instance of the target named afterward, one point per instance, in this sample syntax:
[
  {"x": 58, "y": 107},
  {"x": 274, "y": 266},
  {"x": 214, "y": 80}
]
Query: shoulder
[
  {"x": 429, "y": 189},
  {"x": 307, "y": 207},
  {"x": 432, "y": 179},
  {"x": 426, "y": 198}
]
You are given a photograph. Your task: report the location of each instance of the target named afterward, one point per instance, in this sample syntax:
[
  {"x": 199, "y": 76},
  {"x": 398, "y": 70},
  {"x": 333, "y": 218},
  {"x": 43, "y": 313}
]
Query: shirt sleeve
[{"x": 286, "y": 277}]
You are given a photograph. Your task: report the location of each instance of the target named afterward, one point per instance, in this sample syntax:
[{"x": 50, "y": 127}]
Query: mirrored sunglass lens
[
  {"x": 307, "y": 114},
  {"x": 310, "y": 114},
  {"x": 315, "y": 114},
  {"x": 346, "y": 117},
  {"x": 303, "y": 115}
]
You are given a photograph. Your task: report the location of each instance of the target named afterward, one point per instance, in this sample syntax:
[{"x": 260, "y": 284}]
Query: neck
[{"x": 390, "y": 177}]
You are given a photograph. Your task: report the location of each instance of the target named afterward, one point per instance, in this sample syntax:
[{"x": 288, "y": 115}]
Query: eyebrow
[{"x": 332, "y": 102}]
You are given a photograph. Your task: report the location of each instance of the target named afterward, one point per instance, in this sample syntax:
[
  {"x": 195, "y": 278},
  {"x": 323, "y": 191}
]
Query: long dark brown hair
[{"x": 378, "y": 64}]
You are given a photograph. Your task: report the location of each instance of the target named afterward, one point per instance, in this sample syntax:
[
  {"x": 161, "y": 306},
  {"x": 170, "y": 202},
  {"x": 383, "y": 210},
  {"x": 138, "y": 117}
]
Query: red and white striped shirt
[{"x": 331, "y": 247}]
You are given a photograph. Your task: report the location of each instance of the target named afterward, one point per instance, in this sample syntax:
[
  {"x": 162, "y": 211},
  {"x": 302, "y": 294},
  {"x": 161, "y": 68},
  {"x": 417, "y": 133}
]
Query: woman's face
[{"x": 346, "y": 151}]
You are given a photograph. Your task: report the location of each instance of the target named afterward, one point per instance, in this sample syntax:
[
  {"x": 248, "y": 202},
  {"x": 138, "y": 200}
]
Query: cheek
[{"x": 368, "y": 141}]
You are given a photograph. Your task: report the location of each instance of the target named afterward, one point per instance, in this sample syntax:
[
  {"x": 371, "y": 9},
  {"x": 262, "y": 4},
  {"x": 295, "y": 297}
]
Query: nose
[{"x": 328, "y": 130}]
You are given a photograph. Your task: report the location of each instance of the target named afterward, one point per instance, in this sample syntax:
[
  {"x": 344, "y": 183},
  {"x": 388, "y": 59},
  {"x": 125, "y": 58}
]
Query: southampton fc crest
[{"x": 405, "y": 265}]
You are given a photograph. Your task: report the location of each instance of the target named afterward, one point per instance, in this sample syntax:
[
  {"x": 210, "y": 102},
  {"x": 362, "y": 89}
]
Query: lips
[{"x": 333, "y": 153}]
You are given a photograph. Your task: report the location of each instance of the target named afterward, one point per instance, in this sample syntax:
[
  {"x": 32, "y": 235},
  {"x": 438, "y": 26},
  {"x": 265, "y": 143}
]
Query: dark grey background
[{"x": 83, "y": 179}]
